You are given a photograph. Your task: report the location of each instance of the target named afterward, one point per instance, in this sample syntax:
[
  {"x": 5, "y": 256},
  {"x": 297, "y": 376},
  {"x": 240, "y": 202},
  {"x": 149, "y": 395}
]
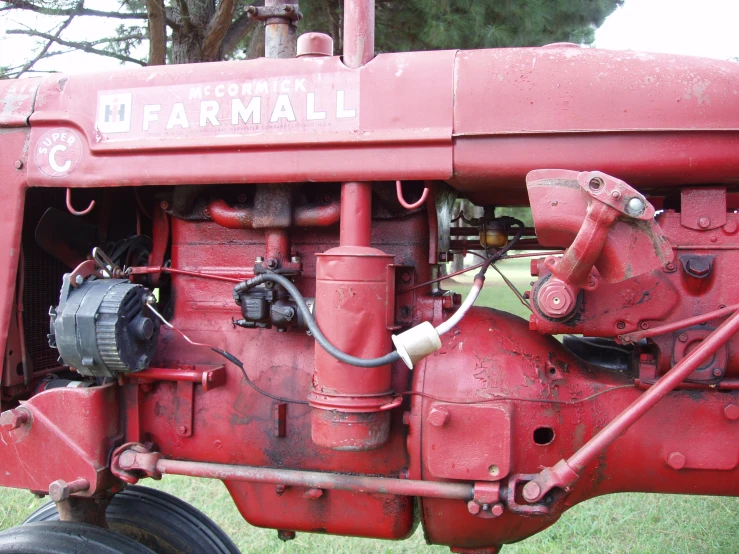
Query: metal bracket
[{"x": 290, "y": 12}]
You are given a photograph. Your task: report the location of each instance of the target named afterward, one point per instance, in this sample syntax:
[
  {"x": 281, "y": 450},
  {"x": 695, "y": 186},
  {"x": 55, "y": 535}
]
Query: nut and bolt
[
  {"x": 635, "y": 206},
  {"x": 272, "y": 263},
  {"x": 295, "y": 259},
  {"x": 18, "y": 164},
  {"x": 473, "y": 507},
  {"x": 285, "y": 536},
  {"x": 616, "y": 195},
  {"x": 644, "y": 325},
  {"x": 438, "y": 416},
  {"x": 676, "y": 461},
  {"x": 682, "y": 337},
  {"x": 717, "y": 372},
  {"x": 704, "y": 223},
  {"x": 669, "y": 266},
  {"x": 497, "y": 509},
  {"x": 405, "y": 276},
  {"x": 555, "y": 300},
  {"x": 280, "y": 489},
  {"x": 621, "y": 325},
  {"x": 79, "y": 279},
  {"x": 531, "y": 491},
  {"x": 182, "y": 430},
  {"x": 258, "y": 260},
  {"x": 13, "y": 419},
  {"x": 61, "y": 490},
  {"x": 206, "y": 212},
  {"x": 164, "y": 205},
  {"x": 494, "y": 470},
  {"x": 731, "y": 411}
]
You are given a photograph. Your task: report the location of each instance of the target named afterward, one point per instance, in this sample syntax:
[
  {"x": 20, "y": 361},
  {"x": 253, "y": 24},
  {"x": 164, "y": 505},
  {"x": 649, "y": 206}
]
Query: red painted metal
[
  {"x": 350, "y": 404},
  {"x": 303, "y": 216},
  {"x": 478, "y": 419},
  {"x": 565, "y": 473}
]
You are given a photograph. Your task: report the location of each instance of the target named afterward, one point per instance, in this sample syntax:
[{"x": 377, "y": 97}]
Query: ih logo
[{"x": 114, "y": 113}]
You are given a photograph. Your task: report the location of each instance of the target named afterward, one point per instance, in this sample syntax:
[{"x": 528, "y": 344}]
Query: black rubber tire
[
  {"x": 61, "y": 537},
  {"x": 160, "y": 521}
]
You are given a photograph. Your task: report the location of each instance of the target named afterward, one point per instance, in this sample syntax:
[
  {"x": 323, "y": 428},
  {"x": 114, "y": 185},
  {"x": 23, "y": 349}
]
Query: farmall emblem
[
  {"x": 58, "y": 152},
  {"x": 114, "y": 112}
]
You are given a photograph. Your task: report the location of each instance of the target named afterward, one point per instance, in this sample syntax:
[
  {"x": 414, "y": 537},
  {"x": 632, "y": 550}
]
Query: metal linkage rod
[
  {"x": 566, "y": 472},
  {"x": 317, "y": 480}
]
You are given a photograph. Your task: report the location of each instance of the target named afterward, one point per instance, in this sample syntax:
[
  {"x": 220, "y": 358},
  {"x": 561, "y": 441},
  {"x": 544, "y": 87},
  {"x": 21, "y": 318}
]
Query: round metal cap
[{"x": 315, "y": 44}]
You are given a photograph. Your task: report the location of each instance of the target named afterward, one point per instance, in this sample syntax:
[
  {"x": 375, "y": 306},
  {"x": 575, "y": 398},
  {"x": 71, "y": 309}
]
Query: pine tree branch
[
  {"x": 14, "y": 72},
  {"x": 157, "y": 32},
  {"x": 236, "y": 33},
  {"x": 84, "y": 46},
  {"x": 217, "y": 29},
  {"x": 42, "y": 54},
  {"x": 185, "y": 15},
  {"x": 77, "y": 11}
]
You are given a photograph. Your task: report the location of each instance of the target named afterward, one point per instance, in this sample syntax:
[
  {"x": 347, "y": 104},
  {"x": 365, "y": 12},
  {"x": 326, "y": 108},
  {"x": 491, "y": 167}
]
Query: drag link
[{"x": 136, "y": 462}]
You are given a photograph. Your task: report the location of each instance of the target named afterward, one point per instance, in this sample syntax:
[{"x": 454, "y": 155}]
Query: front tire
[
  {"x": 160, "y": 521},
  {"x": 63, "y": 537}
]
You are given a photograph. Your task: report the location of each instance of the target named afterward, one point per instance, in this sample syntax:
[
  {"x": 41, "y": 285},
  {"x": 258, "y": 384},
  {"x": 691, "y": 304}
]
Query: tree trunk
[{"x": 189, "y": 40}]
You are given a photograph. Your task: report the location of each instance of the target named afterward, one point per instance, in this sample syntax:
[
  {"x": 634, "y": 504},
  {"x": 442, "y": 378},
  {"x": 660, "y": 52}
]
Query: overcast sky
[{"x": 692, "y": 27}]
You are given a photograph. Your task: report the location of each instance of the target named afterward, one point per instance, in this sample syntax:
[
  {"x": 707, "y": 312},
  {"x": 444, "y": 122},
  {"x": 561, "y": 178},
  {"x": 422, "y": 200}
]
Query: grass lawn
[{"x": 633, "y": 523}]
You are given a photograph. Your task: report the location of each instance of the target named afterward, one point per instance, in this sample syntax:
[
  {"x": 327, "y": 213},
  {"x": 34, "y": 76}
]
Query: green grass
[{"x": 623, "y": 523}]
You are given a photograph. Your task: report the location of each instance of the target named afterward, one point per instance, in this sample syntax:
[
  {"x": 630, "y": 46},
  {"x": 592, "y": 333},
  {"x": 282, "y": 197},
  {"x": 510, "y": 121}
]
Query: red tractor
[{"x": 231, "y": 271}]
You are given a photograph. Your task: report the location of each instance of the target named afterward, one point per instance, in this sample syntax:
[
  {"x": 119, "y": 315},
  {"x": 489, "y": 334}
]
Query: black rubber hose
[{"x": 311, "y": 323}]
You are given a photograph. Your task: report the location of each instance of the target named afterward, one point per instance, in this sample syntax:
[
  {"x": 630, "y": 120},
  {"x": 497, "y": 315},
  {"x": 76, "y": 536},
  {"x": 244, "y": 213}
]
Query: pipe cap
[{"x": 315, "y": 44}]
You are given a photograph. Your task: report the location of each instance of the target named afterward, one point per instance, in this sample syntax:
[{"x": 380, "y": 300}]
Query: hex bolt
[
  {"x": 18, "y": 164},
  {"x": 13, "y": 419},
  {"x": 79, "y": 280},
  {"x": 438, "y": 416},
  {"x": 473, "y": 507},
  {"x": 669, "y": 266},
  {"x": 295, "y": 259},
  {"x": 682, "y": 337},
  {"x": 259, "y": 260},
  {"x": 635, "y": 206},
  {"x": 704, "y": 223},
  {"x": 717, "y": 372},
  {"x": 531, "y": 491},
  {"x": 676, "y": 461},
  {"x": 732, "y": 412},
  {"x": 497, "y": 509},
  {"x": 61, "y": 490}
]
